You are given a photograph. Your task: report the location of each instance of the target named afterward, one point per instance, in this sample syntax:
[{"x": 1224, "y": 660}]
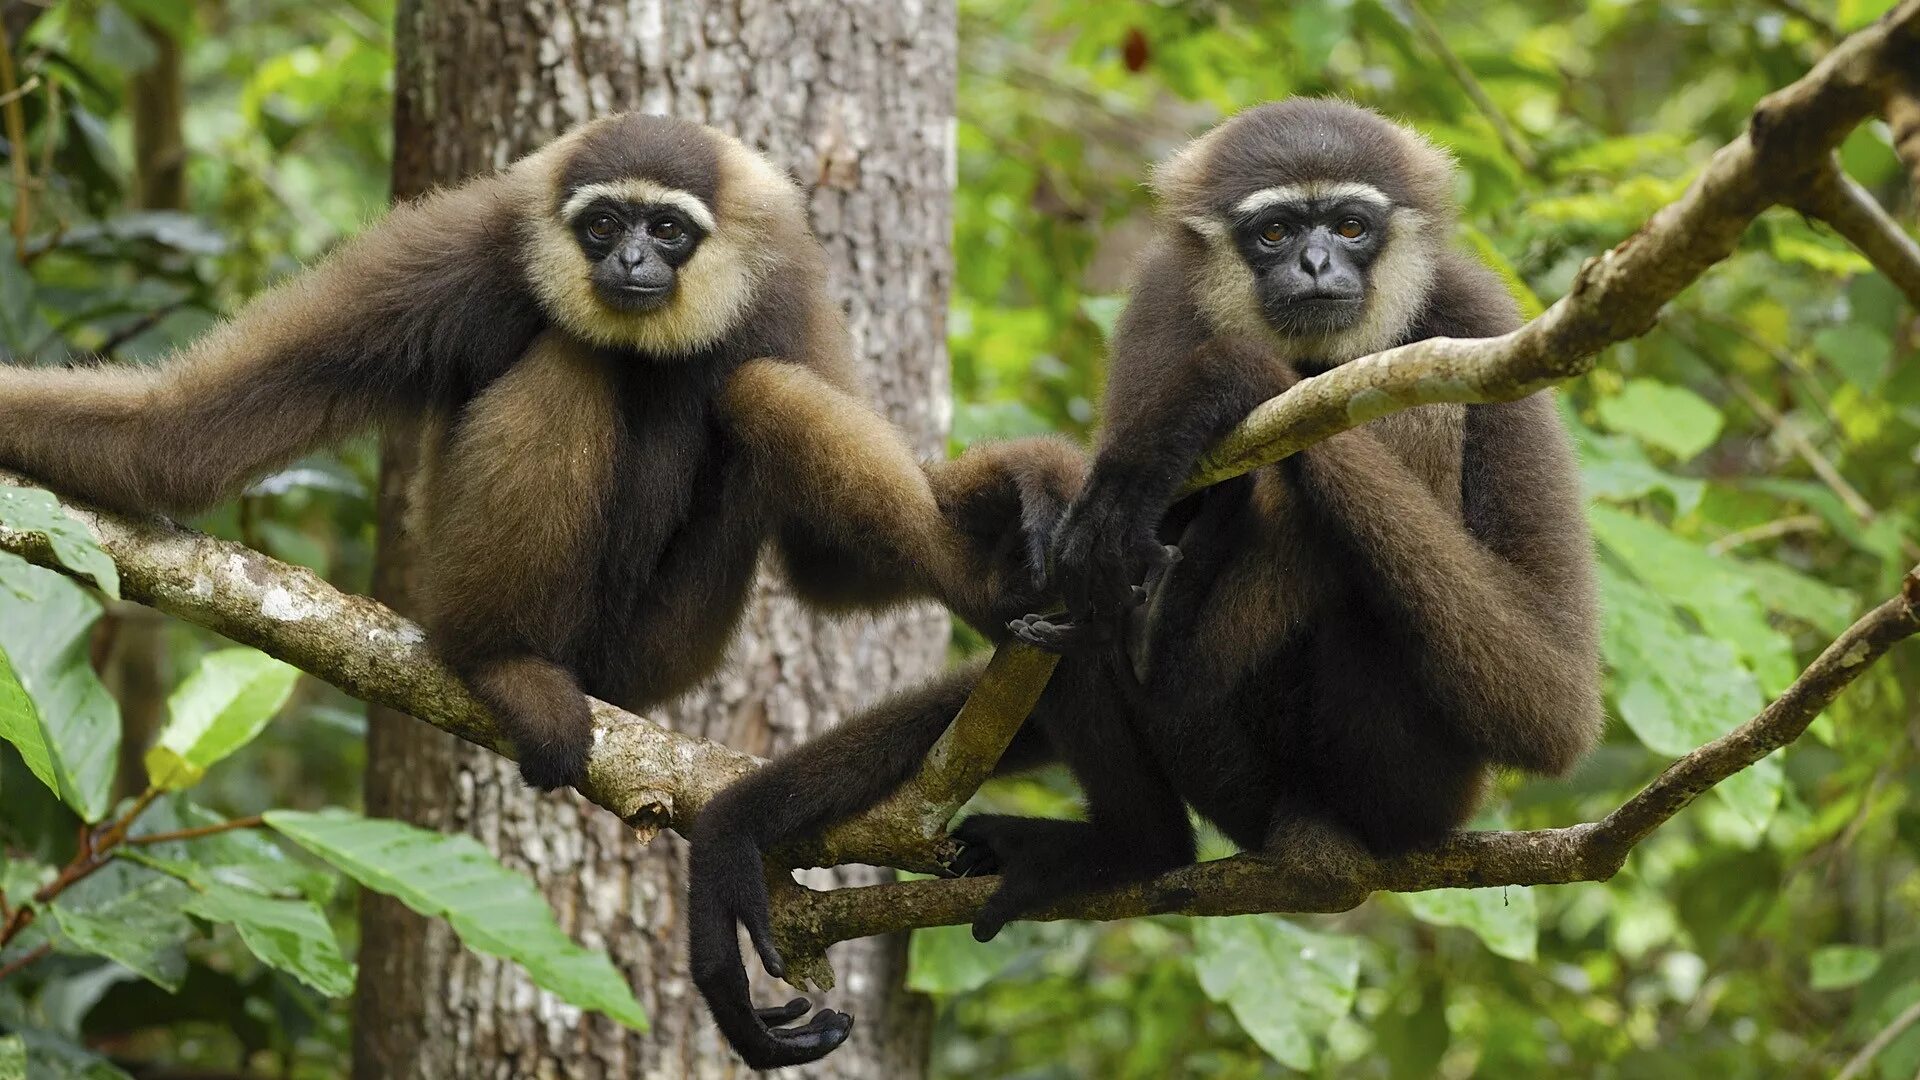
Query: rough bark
[{"x": 855, "y": 97}]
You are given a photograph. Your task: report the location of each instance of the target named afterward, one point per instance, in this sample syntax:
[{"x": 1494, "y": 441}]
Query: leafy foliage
[{"x": 1749, "y": 466}]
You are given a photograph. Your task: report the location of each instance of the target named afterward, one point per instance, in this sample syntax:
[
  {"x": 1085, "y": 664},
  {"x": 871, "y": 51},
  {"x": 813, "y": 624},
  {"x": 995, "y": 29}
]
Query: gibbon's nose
[
  {"x": 1315, "y": 260},
  {"x": 649, "y": 274}
]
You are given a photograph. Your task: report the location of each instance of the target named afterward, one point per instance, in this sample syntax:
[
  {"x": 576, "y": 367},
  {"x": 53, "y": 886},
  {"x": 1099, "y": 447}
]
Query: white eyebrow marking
[
  {"x": 639, "y": 191},
  {"x": 1318, "y": 191}
]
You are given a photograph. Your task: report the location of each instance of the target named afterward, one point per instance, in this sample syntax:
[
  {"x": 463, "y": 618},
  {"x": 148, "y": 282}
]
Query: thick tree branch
[{"x": 653, "y": 777}]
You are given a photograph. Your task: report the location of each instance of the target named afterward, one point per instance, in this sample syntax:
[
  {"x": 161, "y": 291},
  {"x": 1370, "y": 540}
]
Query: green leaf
[
  {"x": 1505, "y": 919},
  {"x": 1677, "y": 690},
  {"x": 946, "y": 959},
  {"x": 1838, "y": 967},
  {"x": 1708, "y": 586},
  {"x": 220, "y": 708},
  {"x": 1858, "y": 351},
  {"x": 13, "y": 1058},
  {"x": 494, "y": 910},
  {"x": 68, "y": 731},
  {"x": 30, "y": 510},
  {"x": 1616, "y": 468},
  {"x": 245, "y": 859},
  {"x": 1670, "y": 418},
  {"x": 292, "y": 935},
  {"x": 1790, "y": 592},
  {"x": 1286, "y": 985},
  {"x": 141, "y": 928},
  {"x": 51, "y": 1057}
]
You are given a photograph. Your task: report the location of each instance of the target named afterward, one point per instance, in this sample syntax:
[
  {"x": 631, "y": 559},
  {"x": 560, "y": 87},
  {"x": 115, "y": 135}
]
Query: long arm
[
  {"x": 1499, "y": 598},
  {"x": 863, "y": 524},
  {"x": 406, "y": 316},
  {"x": 1172, "y": 394}
]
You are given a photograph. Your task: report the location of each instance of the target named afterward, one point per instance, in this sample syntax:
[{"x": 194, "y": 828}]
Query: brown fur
[
  {"x": 1354, "y": 638},
  {"x": 601, "y": 484}
]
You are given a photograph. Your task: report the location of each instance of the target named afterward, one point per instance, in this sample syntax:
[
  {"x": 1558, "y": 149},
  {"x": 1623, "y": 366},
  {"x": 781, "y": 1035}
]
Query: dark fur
[
  {"x": 592, "y": 513},
  {"x": 1351, "y": 642}
]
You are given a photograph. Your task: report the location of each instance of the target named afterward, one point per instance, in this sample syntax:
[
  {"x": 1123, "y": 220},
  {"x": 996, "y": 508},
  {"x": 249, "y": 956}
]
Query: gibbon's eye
[
  {"x": 1273, "y": 233},
  {"x": 1352, "y": 228},
  {"x": 667, "y": 229},
  {"x": 603, "y": 227}
]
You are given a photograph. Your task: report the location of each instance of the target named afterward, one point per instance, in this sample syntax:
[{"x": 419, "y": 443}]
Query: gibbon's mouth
[{"x": 632, "y": 297}]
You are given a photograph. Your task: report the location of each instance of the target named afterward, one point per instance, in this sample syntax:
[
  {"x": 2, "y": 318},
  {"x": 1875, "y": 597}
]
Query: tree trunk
[{"x": 856, "y": 98}]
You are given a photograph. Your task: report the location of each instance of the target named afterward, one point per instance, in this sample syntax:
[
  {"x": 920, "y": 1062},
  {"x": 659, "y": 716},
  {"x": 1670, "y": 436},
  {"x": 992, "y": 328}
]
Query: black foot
[
  {"x": 556, "y": 764},
  {"x": 779, "y": 1047}
]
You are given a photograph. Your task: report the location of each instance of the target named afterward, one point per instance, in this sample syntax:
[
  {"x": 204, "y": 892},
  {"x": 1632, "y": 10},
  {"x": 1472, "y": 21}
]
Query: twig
[
  {"x": 26, "y": 959},
  {"x": 1430, "y": 34},
  {"x": 1822, "y": 467},
  {"x": 1859, "y": 1062},
  {"x": 1822, "y": 27},
  {"x": 1766, "y": 530},
  {"x": 253, "y": 822}
]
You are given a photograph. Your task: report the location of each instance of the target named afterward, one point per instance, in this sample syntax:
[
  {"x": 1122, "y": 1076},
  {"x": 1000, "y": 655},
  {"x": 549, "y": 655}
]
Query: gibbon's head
[
  {"x": 658, "y": 233},
  {"x": 1321, "y": 221}
]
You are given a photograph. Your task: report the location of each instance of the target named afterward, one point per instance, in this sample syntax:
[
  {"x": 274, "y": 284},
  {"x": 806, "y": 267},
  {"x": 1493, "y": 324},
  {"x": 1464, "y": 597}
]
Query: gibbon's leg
[
  {"x": 1499, "y": 607},
  {"x": 865, "y": 524},
  {"x": 1376, "y": 774},
  {"x": 512, "y": 522},
  {"x": 841, "y": 773},
  {"x": 1136, "y": 824}
]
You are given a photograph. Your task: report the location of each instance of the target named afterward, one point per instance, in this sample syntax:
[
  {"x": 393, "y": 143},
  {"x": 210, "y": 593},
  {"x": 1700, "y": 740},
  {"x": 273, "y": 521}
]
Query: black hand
[
  {"x": 1106, "y": 547},
  {"x": 726, "y": 890}
]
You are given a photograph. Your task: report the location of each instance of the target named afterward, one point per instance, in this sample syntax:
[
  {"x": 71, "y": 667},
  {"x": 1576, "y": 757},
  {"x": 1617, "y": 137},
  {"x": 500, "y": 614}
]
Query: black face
[
  {"x": 636, "y": 249},
  {"x": 1310, "y": 261}
]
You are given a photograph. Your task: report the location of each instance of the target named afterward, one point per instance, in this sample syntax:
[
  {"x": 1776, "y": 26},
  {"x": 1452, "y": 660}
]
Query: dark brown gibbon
[
  {"x": 632, "y": 378},
  {"x": 1350, "y": 642}
]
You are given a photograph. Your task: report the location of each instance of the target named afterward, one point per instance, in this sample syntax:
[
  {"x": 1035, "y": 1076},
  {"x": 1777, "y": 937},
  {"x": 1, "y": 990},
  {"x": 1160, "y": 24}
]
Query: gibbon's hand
[
  {"x": 1105, "y": 560},
  {"x": 727, "y": 890}
]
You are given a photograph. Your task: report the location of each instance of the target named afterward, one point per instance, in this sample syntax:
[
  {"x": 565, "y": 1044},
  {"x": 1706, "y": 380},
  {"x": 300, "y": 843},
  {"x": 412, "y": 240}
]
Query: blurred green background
[{"x": 1750, "y": 463}]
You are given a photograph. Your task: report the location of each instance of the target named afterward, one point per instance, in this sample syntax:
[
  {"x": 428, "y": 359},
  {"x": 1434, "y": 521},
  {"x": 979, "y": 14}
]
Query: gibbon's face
[
  {"x": 1311, "y": 248},
  {"x": 635, "y": 249},
  {"x": 1321, "y": 224}
]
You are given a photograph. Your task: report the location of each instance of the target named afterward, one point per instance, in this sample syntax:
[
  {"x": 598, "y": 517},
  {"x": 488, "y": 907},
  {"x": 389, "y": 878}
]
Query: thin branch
[
  {"x": 1857, "y": 1064},
  {"x": 1766, "y": 530},
  {"x": 16, "y": 128},
  {"x": 1822, "y": 27},
  {"x": 1430, "y": 34},
  {"x": 1903, "y": 116},
  {"x": 26, "y": 959},
  {"x": 254, "y": 822},
  {"x": 1835, "y": 198}
]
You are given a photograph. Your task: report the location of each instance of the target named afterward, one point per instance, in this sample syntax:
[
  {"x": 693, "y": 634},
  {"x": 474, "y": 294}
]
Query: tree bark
[{"x": 856, "y": 98}]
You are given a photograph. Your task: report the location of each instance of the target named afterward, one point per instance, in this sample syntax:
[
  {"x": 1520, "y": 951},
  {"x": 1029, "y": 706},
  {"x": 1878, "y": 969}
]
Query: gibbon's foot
[
  {"x": 1064, "y": 633},
  {"x": 1039, "y": 860},
  {"x": 556, "y": 764}
]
